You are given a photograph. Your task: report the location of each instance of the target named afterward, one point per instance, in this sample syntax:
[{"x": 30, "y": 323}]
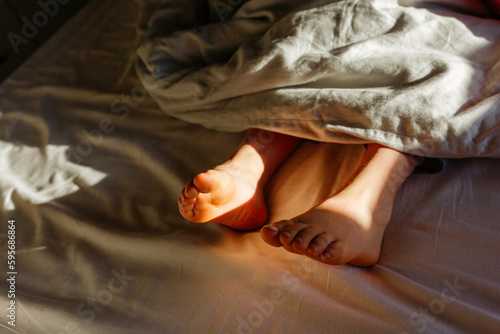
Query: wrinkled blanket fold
[{"x": 421, "y": 80}]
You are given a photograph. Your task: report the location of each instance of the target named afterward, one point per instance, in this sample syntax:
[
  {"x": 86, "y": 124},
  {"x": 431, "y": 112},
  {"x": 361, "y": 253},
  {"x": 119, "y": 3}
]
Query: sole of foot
[{"x": 226, "y": 195}]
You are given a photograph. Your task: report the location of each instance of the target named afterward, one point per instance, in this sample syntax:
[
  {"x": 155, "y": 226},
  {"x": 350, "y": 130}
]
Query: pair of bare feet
[{"x": 346, "y": 228}]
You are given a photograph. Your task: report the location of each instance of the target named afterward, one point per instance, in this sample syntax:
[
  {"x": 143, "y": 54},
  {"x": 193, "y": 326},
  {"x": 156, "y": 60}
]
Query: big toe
[
  {"x": 210, "y": 181},
  {"x": 218, "y": 184},
  {"x": 271, "y": 232}
]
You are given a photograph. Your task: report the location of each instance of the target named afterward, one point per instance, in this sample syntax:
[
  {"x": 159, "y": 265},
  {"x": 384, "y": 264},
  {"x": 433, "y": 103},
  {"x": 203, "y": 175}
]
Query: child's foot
[
  {"x": 348, "y": 227},
  {"x": 229, "y": 194}
]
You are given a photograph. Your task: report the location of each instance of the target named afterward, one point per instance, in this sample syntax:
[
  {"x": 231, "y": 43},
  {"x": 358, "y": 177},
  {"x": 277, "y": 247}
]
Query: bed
[{"x": 91, "y": 169}]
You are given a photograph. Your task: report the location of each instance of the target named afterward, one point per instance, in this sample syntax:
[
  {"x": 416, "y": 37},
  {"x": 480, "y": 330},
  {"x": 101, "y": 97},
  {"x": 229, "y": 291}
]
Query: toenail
[
  {"x": 298, "y": 240},
  {"x": 272, "y": 228},
  {"x": 286, "y": 234},
  {"x": 326, "y": 256}
]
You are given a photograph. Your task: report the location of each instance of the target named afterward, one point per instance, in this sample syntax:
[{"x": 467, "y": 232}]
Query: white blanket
[{"x": 422, "y": 80}]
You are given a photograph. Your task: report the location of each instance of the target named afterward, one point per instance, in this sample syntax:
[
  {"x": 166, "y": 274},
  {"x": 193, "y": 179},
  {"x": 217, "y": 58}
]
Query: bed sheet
[{"x": 90, "y": 170}]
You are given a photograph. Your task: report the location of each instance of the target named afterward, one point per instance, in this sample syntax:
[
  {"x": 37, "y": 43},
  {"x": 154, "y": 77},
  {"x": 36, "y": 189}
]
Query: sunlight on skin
[
  {"x": 347, "y": 227},
  {"x": 233, "y": 193}
]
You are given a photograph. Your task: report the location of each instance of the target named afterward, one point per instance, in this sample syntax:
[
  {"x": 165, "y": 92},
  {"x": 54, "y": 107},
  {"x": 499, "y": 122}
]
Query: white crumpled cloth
[{"x": 424, "y": 79}]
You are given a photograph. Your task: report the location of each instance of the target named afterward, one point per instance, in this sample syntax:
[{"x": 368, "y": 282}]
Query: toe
[
  {"x": 186, "y": 213},
  {"x": 190, "y": 191},
  {"x": 187, "y": 201},
  {"x": 271, "y": 233},
  {"x": 183, "y": 208},
  {"x": 288, "y": 235},
  {"x": 304, "y": 238},
  {"x": 218, "y": 184},
  {"x": 318, "y": 244},
  {"x": 209, "y": 181},
  {"x": 334, "y": 253}
]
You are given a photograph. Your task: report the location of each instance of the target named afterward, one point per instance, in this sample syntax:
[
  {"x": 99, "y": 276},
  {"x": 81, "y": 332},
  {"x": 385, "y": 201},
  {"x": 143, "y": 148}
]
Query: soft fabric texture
[
  {"x": 423, "y": 79},
  {"x": 101, "y": 247}
]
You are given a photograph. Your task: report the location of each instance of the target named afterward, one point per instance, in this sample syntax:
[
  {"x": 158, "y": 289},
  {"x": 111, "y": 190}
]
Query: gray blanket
[{"x": 423, "y": 79}]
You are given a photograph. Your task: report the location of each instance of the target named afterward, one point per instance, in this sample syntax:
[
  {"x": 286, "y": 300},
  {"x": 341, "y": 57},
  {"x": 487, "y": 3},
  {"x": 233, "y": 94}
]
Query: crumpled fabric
[{"x": 422, "y": 79}]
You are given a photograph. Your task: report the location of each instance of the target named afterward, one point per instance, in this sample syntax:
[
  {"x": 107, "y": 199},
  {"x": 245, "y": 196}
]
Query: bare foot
[
  {"x": 340, "y": 230},
  {"x": 348, "y": 227},
  {"x": 232, "y": 193},
  {"x": 229, "y": 194}
]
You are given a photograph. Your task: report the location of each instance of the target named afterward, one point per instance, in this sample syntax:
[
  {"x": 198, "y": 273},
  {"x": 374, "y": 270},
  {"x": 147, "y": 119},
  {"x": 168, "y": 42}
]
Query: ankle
[{"x": 404, "y": 166}]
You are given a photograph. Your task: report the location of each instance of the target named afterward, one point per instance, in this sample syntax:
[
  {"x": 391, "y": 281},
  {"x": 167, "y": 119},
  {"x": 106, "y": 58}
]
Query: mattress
[{"x": 91, "y": 170}]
